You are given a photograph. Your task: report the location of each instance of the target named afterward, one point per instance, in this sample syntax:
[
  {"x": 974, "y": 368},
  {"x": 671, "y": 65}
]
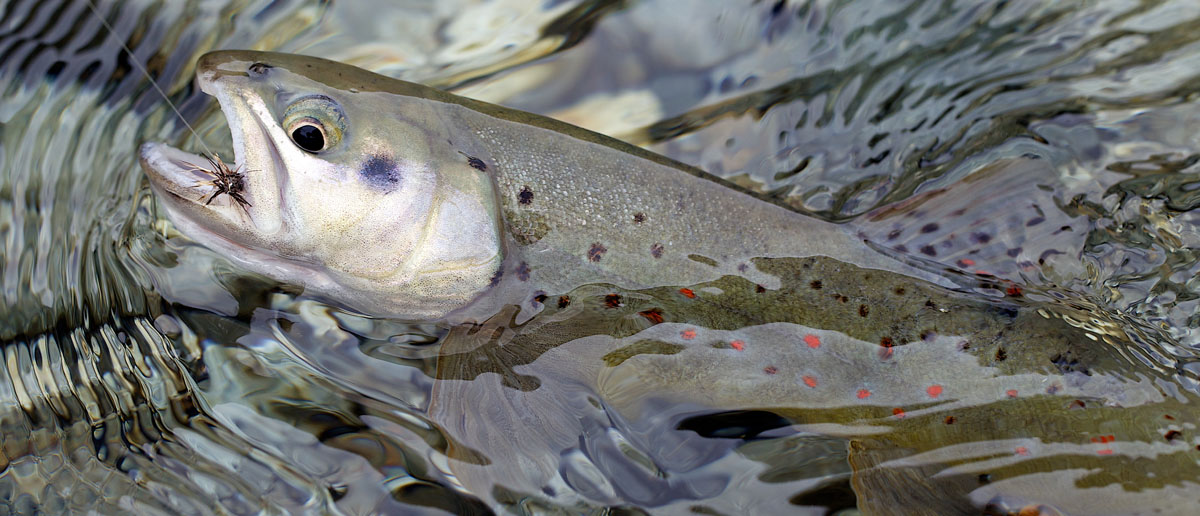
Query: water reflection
[{"x": 143, "y": 373}]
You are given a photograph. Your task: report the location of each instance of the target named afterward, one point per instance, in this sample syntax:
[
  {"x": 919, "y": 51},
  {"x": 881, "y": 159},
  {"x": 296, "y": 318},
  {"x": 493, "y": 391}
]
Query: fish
[{"x": 598, "y": 296}]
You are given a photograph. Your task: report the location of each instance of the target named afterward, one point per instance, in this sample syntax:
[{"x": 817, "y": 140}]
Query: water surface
[{"x": 144, "y": 373}]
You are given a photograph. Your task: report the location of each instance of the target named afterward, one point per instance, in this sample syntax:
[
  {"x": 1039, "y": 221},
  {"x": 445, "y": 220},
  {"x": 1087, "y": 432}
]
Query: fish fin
[{"x": 1001, "y": 220}]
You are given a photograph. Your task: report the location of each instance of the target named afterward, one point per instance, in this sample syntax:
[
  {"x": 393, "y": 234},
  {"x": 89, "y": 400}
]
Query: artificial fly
[{"x": 225, "y": 180}]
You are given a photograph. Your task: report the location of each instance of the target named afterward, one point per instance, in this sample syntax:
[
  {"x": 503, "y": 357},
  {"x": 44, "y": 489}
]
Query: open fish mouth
[{"x": 205, "y": 179}]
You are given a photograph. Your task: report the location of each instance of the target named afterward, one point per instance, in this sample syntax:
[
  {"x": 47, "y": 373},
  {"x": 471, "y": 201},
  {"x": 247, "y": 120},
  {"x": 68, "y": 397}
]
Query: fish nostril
[{"x": 259, "y": 68}]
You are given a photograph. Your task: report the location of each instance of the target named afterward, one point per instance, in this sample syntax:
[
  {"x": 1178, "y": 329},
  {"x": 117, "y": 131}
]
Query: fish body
[
  {"x": 424, "y": 204},
  {"x": 608, "y": 288}
]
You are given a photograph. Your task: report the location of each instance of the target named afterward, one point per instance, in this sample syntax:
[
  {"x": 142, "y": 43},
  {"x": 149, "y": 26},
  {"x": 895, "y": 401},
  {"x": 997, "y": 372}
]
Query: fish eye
[
  {"x": 308, "y": 135},
  {"x": 314, "y": 123}
]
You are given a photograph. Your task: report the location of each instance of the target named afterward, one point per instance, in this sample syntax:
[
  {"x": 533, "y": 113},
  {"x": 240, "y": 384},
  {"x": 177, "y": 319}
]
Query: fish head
[{"x": 359, "y": 187}]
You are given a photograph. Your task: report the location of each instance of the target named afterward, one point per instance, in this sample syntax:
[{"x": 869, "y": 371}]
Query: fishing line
[{"x": 133, "y": 58}]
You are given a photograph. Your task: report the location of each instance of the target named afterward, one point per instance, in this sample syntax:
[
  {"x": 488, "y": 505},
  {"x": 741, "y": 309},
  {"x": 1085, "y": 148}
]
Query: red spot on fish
[
  {"x": 1013, "y": 291},
  {"x": 688, "y": 334},
  {"x": 1021, "y": 450},
  {"x": 1171, "y": 435},
  {"x": 863, "y": 394},
  {"x": 885, "y": 348},
  {"x": 1105, "y": 451},
  {"x": 966, "y": 262},
  {"x": 612, "y": 301},
  {"x": 810, "y": 381},
  {"x": 738, "y": 345},
  {"x": 688, "y": 293},
  {"x": 934, "y": 391},
  {"x": 654, "y": 315},
  {"x": 813, "y": 341},
  {"x": 1012, "y": 393},
  {"x": 898, "y": 412},
  {"x": 770, "y": 369}
]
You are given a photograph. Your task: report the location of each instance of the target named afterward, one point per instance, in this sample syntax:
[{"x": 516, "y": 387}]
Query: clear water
[{"x": 144, "y": 373}]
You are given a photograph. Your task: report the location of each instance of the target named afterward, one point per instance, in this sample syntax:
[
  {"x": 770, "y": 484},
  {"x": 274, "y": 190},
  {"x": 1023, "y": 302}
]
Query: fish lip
[{"x": 184, "y": 175}]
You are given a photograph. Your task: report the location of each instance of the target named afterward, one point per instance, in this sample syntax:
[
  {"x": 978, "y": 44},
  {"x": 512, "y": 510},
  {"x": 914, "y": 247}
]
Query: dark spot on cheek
[
  {"x": 656, "y": 250},
  {"x": 539, "y": 297},
  {"x": 612, "y": 301},
  {"x": 596, "y": 252},
  {"x": 639, "y": 217},
  {"x": 523, "y": 271},
  {"x": 380, "y": 172},
  {"x": 526, "y": 195},
  {"x": 564, "y": 301},
  {"x": 496, "y": 277}
]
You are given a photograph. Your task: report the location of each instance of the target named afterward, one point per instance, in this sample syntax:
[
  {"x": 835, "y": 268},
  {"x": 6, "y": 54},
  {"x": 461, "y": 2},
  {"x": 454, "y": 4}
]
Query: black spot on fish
[
  {"x": 564, "y": 301},
  {"x": 760, "y": 289},
  {"x": 863, "y": 311},
  {"x": 526, "y": 195},
  {"x": 259, "y": 68},
  {"x": 981, "y": 238},
  {"x": 815, "y": 284},
  {"x": 902, "y": 248},
  {"x": 900, "y": 291},
  {"x": 656, "y": 250},
  {"x": 612, "y": 301},
  {"x": 496, "y": 277},
  {"x": 929, "y": 228},
  {"x": 1171, "y": 435},
  {"x": 380, "y": 172},
  {"x": 523, "y": 271},
  {"x": 893, "y": 235},
  {"x": 928, "y": 250},
  {"x": 539, "y": 297},
  {"x": 1035, "y": 221},
  {"x": 1012, "y": 253},
  {"x": 1001, "y": 355},
  {"x": 476, "y": 163},
  {"x": 639, "y": 217},
  {"x": 596, "y": 252}
]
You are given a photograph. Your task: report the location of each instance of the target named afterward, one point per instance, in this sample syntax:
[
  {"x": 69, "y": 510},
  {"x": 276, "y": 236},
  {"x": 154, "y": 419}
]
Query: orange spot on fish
[
  {"x": 1021, "y": 450},
  {"x": 810, "y": 381},
  {"x": 770, "y": 369},
  {"x": 863, "y": 394},
  {"x": 688, "y": 334},
  {"x": 653, "y": 315},
  {"x": 688, "y": 293},
  {"x": 934, "y": 391},
  {"x": 966, "y": 262},
  {"x": 885, "y": 348},
  {"x": 813, "y": 341},
  {"x": 1013, "y": 291},
  {"x": 1012, "y": 393},
  {"x": 898, "y": 412},
  {"x": 738, "y": 345},
  {"x": 982, "y": 272}
]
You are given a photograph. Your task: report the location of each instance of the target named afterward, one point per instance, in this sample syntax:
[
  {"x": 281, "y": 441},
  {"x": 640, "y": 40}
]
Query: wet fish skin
[{"x": 432, "y": 204}]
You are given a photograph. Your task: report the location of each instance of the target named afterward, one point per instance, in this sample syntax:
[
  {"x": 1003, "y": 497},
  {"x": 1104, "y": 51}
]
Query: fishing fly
[{"x": 225, "y": 180}]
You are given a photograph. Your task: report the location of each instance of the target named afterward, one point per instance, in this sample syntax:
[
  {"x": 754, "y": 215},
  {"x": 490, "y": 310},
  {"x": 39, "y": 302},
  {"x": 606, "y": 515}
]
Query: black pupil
[{"x": 309, "y": 138}]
